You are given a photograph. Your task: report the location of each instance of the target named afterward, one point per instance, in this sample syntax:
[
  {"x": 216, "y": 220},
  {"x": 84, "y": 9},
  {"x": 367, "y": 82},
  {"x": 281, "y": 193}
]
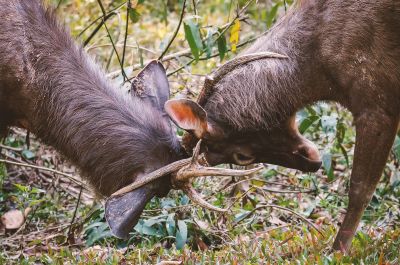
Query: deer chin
[{"x": 292, "y": 160}]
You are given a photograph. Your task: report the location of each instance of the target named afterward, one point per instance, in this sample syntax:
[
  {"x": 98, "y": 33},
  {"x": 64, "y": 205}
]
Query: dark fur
[
  {"x": 51, "y": 86},
  {"x": 343, "y": 51},
  {"x": 330, "y": 45}
]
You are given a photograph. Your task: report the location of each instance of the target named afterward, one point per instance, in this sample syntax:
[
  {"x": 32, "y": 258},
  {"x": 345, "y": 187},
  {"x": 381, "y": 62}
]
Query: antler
[
  {"x": 183, "y": 171},
  {"x": 228, "y": 67}
]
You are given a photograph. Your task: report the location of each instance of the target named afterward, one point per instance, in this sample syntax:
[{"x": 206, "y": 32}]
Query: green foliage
[{"x": 192, "y": 33}]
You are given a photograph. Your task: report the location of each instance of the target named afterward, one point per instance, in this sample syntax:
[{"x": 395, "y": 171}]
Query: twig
[
  {"x": 286, "y": 191},
  {"x": 186, "y": 52},
  {"x": 70, "y": 177},
  {"x": 128, "y": 7},
  {"x": 59, "y": 4},
  {"x": 110, "y": 14},
  {"x": 176, "y": 31},
  {"x": 285, "y": 209},
  {"x": 111, "y": 40},
  {"x": 74, "y": 215},
  {"x": 11, "y": 148},
  {"x": 169, "y": 262},
  {"x": 98, "y": 27},
  {"x": 213, "y": 55}
]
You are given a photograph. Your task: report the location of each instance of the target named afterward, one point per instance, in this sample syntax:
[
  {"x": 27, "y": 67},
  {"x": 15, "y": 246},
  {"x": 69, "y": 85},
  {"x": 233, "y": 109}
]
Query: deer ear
[
  {"x": 188, "y": 115},
  {"x": 151, "y": 85}
]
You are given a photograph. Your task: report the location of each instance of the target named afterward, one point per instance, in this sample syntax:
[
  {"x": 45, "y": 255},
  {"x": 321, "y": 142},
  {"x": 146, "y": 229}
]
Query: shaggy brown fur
[
  {"x": 49, "y": 85},
  {"x": 343, "y": 51}
]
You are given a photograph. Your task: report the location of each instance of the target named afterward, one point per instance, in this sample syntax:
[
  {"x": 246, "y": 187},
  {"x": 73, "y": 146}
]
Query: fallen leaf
[{"x": 13, "y": 219}]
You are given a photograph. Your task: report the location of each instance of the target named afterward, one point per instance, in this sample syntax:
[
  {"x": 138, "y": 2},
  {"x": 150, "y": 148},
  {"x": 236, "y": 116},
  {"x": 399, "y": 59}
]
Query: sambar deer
[
  {"x": 50, "y": 86},
  {"x": 343, "y": 51}
]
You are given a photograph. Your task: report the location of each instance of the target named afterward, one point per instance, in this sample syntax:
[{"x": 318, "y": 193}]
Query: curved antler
[
  {"x": 183, "y": 171},
  {"x": 228, "y": 67}
]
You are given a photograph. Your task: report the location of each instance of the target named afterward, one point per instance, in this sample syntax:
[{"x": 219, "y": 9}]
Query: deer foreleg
[{"x": 374, "y": 139}]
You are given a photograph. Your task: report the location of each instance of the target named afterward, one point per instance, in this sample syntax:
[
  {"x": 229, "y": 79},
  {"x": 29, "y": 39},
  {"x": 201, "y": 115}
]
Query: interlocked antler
[{"x": 183, "y": 171}]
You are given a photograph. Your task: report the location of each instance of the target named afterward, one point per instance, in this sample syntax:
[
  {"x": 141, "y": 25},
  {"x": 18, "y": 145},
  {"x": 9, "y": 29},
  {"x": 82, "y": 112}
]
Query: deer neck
[
  {"x": 108, "y": 134},
  {"x": 268, "y": 91}
]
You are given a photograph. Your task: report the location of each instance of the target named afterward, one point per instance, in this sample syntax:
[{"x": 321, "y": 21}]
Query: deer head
[{"x": 281, "y": 145}]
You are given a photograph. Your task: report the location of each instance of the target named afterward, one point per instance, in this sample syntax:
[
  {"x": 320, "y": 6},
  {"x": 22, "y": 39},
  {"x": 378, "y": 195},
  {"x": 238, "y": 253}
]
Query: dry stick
[
  {"x": 212, "y": 56},
  {"x": 70, "y": 177},
  {"x": 284, "y": 209},
  {"x": 76, "y": 209},
  {"x": 270, "y": 190},
  {"x": 176, "y": 31},
  {"x": 119, "y": 45},
  {"x": 220, "y": 34},
  {"x": 110, "y": 13},
  {"x": 128, "y": 7},
  {"x": 11, "y": 148},
  {"x": 98, "y": 27},
  {"x": 111, "y": 40},
  {"x": 185, "y": 52}
]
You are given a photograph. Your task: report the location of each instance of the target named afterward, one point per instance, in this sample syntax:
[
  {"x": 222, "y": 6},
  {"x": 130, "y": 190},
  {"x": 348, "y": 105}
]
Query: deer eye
[{"x": 243, "y": 159}]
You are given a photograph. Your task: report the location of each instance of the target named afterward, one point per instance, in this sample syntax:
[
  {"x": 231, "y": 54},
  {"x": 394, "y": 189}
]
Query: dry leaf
[{"x": 13, "y": 219}]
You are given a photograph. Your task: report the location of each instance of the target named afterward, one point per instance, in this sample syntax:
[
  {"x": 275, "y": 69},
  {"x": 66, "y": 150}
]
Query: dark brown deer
[
  {"x": 50, "y": 86},
  {"x": 343, "y": 51}
]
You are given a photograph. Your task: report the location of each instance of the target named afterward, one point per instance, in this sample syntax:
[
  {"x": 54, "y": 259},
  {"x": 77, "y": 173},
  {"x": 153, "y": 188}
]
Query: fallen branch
[
  {"x": 284, "y": 209},
  {"x": 70, "y": 177}
]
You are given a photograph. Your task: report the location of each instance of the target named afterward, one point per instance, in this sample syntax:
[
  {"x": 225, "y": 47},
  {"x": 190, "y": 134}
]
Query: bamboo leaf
[
  {"x": 192, "y": 34},
  {"x": 222, "y": 46}
]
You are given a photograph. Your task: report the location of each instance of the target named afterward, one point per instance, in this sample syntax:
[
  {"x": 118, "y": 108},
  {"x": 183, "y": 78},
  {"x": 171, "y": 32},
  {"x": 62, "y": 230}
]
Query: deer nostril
[
  {"x": 303, "y": 152},
  {"x": 243, "y": 159},
  {"x": 309, "y": 153}
]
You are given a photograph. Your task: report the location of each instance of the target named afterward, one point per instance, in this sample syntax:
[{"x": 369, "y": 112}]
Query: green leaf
[
  {"x": 21, "y": 188},
  {"x": 327, "y": 164},
  {"x": 222, "y": 46},
  {"x": 328, "y": 123},
  {"x": 396, "y": 147},
  {"x": 240, "y": 216},
  {"x": 209, "y": 43},
  {"x": 27, "y": 154},
  {"x": 134, "y": 15},
  {"x": 181, "y": 235},
  {"x": 3, "y": 174},
  {"x": 272, "y": 15},
  {"x": 170, "y": 224},
  {"x": 99, "y": 233},
  {"x": 192, "y": 34},
  {"x": 307, "y": 122}
]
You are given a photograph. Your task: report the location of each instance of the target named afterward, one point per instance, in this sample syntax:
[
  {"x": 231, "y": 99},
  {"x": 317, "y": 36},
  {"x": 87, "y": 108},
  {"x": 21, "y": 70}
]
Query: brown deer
[
  {"x": 50, "y": 86},
  {"x": 343, "y": 51}
]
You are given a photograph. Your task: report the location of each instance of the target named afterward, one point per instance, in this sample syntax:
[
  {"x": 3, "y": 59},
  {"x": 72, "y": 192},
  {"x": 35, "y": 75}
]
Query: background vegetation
[{"x": 280, "y": 216}]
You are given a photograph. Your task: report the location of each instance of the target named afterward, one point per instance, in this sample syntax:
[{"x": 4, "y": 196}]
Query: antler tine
[
  {"x": 186, "y": 173},
  {"x": 197, "y": 199},
  {"x": 168, "y": 169},
  {"x": 196, "y": 152}
]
